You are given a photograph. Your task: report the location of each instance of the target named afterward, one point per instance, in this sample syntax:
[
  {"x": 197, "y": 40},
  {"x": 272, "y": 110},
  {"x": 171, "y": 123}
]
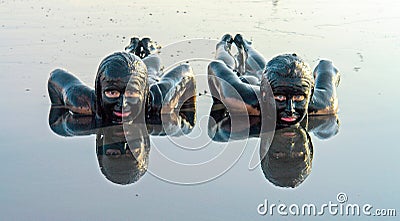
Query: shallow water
[{"x": 49, "y": 177}]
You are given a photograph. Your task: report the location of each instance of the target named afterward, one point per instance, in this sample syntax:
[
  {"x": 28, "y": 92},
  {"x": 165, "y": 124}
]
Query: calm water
[{"x": 49, "y": 177}]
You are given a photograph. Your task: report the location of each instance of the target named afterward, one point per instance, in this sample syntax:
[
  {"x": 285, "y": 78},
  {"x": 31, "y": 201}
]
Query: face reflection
[
  {"x": 122, "y": 98},
  {"x": 289, "y": 158},
  {"x": 292, "y": 96},
  {"x": 289, "y": 142}
]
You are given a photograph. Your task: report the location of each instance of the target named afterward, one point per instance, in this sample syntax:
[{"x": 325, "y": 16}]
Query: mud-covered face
[
  {"x": 122, "y": 98},
  {"x": 292, "y": 96}
]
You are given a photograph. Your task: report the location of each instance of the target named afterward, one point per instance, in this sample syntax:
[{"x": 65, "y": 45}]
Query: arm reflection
[{"x": 324, "y": 126}]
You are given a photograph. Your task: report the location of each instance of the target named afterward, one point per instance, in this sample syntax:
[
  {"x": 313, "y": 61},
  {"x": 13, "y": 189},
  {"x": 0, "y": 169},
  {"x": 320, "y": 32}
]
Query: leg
[
  {"x": 67, "y": 91},
  {"x": 324, "y": 99},
  {"x": 226, "y": 86},
  {"x": 223, "y": 51},
  {"x": 177, "y": 86},
  {"x": 153, "y": 64},
  {"x": 251, "y": 62}
]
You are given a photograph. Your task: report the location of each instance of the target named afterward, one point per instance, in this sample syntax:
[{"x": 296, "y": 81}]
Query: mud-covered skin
[
  {"x": 142, "y": 88},
  {"x": 226, "y": 86},
  {"x": 175, "y": 90},
  {"x": 230, "y": 86},
  {"x": 141, "y": 48},
  {"x": 239, "y": 82},
  {"x": 324, "y": 100},
  {"x": 63, "y": 88},
  {"x": 250, "y": 62},
  {"x": 124, "y": 74},
  {"x": 292, "y": 83}
]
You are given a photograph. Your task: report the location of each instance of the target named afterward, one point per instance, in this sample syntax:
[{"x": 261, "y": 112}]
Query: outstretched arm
[
  {"x": 172, "y": 100},
  {"x": 324, "y": 100},
  {"x": 67, "y": 91},
  {"x": 238, "y": 94},
  {"x": 226, "y": 87}
]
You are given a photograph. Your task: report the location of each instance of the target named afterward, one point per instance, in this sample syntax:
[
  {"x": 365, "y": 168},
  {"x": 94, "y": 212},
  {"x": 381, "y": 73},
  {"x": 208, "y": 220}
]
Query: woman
[
  {"x": 129, "y": 86},
  {"x": 244, "y": 81}
]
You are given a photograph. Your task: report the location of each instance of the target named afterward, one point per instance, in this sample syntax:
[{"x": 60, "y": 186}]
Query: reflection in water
[
  {"x": 286, "y": 160},
  {"x": 123, "y": 150},
  {"x": 119, "y": 162}
]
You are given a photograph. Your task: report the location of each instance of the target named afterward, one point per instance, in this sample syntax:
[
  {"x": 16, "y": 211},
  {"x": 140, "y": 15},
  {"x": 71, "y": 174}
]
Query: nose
[
  {"x": 119, "y": 104},
  {"x": 289, "y": 106}
]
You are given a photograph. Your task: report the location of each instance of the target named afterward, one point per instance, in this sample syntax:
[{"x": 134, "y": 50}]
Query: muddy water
[{"x": 49, "y": 177}]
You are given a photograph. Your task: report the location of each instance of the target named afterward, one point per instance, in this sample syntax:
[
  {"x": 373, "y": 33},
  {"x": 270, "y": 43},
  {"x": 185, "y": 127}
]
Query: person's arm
[
  {"x": 324, "y": 100},
  {"x": 67, "y": 91},
  {"x": 172, "y": 103},
  {"x": 226, "y": 87}
]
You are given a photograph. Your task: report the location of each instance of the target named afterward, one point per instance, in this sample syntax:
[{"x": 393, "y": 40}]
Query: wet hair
[
  {"x": 121, "y": 63},
  {"x": 288, "y": 66}
]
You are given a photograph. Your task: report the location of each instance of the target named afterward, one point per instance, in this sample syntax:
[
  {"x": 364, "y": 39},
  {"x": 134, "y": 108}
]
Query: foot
[
  {"x": 148, "y": 47},
  {"x": 227, "y": 38},
  {"x": 133, "y": 45},
  {"x": 223, "y": 51},
  {"x": 241, "y": 56},
  {"x": 241, "y": 43},
  {"x": 226, "y": 41}
]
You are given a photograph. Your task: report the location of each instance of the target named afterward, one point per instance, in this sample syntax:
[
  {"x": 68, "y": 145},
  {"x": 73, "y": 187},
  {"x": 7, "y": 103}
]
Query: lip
[
  {"x": 289, "y": 134},
  {"x": 119, "y": 114},
  {"x": 289, "y": 119}
]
